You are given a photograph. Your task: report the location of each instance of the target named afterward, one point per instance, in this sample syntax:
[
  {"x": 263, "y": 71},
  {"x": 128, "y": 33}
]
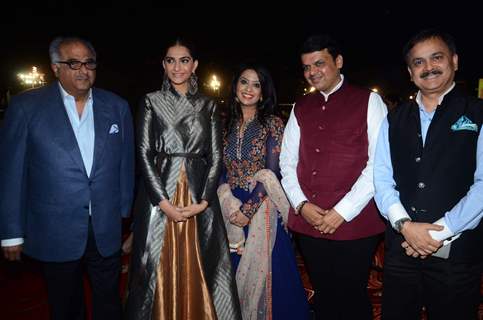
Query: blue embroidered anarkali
[{"x": 248, "y": 150}]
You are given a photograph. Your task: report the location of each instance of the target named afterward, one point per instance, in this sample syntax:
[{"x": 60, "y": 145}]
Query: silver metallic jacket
[{"x": 173, "y": 129}]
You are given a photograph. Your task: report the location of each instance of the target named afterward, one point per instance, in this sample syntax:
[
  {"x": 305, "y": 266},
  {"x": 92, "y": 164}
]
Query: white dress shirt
[{"x": 363, "y": 189}]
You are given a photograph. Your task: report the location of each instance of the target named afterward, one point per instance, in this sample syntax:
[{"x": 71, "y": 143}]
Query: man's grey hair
[{"x": 54, "y": 48}]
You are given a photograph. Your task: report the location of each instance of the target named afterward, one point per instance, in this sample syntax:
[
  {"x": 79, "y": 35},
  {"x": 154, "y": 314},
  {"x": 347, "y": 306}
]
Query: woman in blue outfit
[{"x": 254, "y": 205}]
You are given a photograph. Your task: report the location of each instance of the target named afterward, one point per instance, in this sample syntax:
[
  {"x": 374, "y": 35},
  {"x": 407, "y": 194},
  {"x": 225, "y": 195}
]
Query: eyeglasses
[{"x": 76, "y": 65}]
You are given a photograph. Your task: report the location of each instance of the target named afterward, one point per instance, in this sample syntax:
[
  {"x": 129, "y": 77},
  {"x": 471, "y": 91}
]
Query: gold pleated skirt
[{"x": 181, "y": 289}]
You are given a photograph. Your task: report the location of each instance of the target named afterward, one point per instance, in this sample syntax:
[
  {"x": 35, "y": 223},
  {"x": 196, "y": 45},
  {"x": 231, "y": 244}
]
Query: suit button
[
  {"x": 321, "y": 127},
  {"x": 421, "y": 185},
  {"x": 317, "y": 150},
  {"x": 417, "y": 159},
  {"x": 413, "y": 209},
  {"x": 323, "y": 108},
  {"x": 314, "y": 173},
  {"x": 314, "y": 195}
]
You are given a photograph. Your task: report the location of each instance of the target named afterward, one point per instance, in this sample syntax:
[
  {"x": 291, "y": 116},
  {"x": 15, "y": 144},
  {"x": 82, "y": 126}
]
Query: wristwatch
[
  {"x": 300, "y": 206},
  {"x": 399, "y": 224}
]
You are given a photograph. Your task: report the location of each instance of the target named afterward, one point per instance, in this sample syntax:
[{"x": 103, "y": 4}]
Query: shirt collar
[
  {"x": 66, "y": 95},
  {"x": 337, "y": 87},
  {"x": 440, "y": 99}
]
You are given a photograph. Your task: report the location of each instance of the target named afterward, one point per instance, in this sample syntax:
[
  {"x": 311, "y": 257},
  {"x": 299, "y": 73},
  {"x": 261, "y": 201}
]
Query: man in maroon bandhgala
[{"x": 327, "y": 168}]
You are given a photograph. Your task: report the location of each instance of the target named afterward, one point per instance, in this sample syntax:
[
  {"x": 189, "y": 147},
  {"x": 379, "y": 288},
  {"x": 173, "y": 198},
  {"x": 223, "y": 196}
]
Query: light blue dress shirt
[
  {"x": 465, "y": 215},
  {"x": 83, "y": 127}
]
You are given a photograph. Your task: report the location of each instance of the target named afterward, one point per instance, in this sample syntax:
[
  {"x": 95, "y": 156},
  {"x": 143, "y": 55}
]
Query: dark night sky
[{"x": 129, "y": 40}]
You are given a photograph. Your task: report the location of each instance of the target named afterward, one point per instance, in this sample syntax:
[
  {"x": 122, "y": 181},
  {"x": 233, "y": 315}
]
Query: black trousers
[
  {"x": 339, "y": 272},
  {"x": 448, "y": 290},
  {"x": 65, "y": 285}
]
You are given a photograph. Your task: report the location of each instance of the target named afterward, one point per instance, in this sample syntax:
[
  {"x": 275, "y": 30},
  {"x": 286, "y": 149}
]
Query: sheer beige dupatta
[{"x": 253, "y": 276}]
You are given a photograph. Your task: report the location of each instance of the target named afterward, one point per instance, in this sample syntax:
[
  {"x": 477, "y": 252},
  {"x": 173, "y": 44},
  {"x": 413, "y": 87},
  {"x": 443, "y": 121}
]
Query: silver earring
[{"x": 193, "y": 84}]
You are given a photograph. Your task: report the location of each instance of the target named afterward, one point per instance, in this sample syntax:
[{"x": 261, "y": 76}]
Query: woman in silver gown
[{"x": 180, "y": 267}]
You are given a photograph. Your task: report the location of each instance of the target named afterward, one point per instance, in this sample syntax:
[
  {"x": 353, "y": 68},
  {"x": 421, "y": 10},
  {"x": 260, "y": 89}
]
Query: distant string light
[
  {"x": 215, "y": 84},
  {"x": 32, "y": 79}
]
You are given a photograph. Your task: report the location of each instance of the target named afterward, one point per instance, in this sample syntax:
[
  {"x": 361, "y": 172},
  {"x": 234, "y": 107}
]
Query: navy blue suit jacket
[{"x": 44, "y": 188}]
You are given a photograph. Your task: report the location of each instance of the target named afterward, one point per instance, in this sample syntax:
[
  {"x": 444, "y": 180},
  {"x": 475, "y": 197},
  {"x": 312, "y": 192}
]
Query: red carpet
[{"x": 23, "y": 295}]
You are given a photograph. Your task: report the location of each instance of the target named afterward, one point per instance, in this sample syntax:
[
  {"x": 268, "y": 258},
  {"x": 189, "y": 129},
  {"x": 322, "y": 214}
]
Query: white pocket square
[{"x": 114, "y": 129}]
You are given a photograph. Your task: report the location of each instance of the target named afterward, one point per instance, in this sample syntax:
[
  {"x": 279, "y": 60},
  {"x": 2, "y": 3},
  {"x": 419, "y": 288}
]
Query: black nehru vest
[{"x": 432, "y": 179}]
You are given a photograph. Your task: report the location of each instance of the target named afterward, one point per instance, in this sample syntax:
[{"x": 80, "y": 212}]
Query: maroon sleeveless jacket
[{"x": 332, "y": 154}]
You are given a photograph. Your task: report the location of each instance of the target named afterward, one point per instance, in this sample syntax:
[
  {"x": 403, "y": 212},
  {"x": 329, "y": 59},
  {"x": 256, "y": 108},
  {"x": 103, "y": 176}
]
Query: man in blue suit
[{"x": 66, "y": 180}]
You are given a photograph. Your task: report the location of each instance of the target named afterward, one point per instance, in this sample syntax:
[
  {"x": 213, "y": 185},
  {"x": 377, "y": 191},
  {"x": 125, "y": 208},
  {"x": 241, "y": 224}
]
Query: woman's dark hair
[
  {"x": 265, "y": 107},
  {"x": 427, "y": 35},
  {"x": 179, "y": 41}
]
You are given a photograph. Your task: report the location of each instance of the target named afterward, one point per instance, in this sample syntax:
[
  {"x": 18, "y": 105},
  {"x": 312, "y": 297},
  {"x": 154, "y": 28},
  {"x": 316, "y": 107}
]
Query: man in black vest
[{"x": 428, "y": 174}]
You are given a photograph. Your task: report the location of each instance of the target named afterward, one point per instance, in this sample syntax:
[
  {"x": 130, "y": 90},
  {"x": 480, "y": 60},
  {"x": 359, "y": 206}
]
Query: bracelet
[{"x": 300, "y": 206}]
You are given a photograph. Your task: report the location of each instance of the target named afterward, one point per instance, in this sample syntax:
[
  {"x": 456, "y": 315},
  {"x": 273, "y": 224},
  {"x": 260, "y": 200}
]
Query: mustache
[{"x": 429, "y": 73}]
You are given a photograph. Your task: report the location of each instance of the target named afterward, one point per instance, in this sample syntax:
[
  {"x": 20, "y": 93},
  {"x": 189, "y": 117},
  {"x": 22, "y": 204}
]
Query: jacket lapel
[
  {"x": 102, "y": 124},
  {"x": 64, "y": 132}
]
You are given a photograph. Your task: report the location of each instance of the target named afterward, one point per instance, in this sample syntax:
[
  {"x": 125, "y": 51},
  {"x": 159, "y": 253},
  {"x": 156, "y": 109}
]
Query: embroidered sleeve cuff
[
  {"x": 12, "y": 242},
  {"x": 443, "y": 234},
  {"x": 346, "y": 209},
  {"x": 395, "y": 212}
]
